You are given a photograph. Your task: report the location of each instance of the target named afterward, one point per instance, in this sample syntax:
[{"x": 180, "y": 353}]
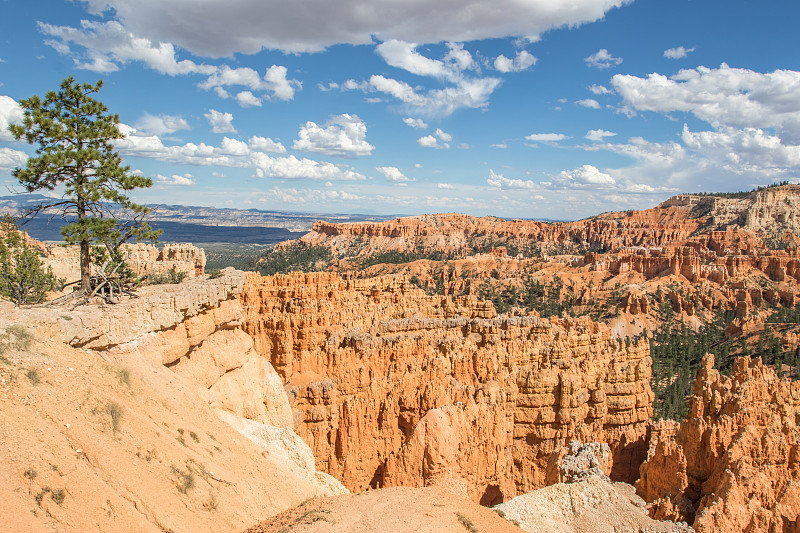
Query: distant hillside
[{"x": 194, "y": 223}]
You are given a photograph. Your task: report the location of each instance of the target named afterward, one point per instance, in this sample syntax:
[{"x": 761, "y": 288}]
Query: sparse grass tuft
[
  {"x": 40, "y": 495},
  {"x": 33, "y": 376},
  {"x": 184, "y": 480},
  {"x": 58, "y": 496},
  {"x": 467, "y": 523},
  {"x": 30, "y": 474},
  {"x": 194, "y": 436},
  {"x": 114, "y": 410},
  {"x": 22, "y": 337},
  {"x": 124, "y": 376}
]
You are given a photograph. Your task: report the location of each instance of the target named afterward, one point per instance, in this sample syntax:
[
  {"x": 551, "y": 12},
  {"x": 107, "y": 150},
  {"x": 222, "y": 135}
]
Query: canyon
[{"x": 419, "y": 362}]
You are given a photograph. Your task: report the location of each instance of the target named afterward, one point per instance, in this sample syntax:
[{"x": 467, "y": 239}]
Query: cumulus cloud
[
  {"x": 10, "y": 159},
  {"x": 722, "y": 97},
  {"x": 214, "y": 29},
  {"x": 220, "y": 122},
  {"x": 248, "y": 99},
  {"x": 448, "y": 186},
  {"x": 599, "y": 89},
  {"x": 186, "y": 179},
  {"x": 546, "y": 137},
  {"x": 522, "y": 61},
  {"x": 265, "y": 144},
  {"x": 584, "y": 177},
  {"x": 677, "y": 52},
  {"x": 498, "y": 181},
  {"x": 599, "y": 135},
  {"x": 591, "y": 103},
  {"x": 460, "y": 91},
  {"x": 393, "y": 174},
  {"x": 444, "y": 137},
  {"x": 417, "y": 123},
  {"x": 602, "y": 59},
  {"x": 273, "y": 82},
  {"x": 745, "y": 151},
  {"x": 161, "y": 124},
  {"x": 429, "y": 141},
  {"x": 10, "y": 113},
  {"x": 235, "y": 154},
  {"x": 343, "y": 136},
  {"x": 107, "y": 45}
]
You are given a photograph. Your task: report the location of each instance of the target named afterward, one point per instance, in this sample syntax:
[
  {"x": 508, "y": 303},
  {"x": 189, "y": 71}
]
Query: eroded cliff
[
  {"x": 734, "y": 463},
  {"x": 391, "y": 386}
]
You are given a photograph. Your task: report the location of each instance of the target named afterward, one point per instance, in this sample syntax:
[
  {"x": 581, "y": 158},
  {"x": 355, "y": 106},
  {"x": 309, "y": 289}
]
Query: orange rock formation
[
  {"x": 390, "y": 386},
  {"x": 734, "y": 463}
]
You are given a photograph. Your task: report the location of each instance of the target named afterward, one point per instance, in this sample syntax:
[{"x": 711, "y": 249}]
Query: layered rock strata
[
  {"x": 141, "y": 259},
  {"x": 734, "y": 463},
  {"x": 391, "y": 386}
]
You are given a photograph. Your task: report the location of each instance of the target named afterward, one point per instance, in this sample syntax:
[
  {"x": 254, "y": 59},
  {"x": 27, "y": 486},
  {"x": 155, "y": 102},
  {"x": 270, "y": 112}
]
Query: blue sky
[{"x": 514, "y": 108}]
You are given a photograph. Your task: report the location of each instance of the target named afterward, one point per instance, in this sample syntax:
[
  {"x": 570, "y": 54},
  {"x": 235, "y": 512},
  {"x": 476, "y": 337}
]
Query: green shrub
[
  {"x": 23, "y": 278},
  {"x": 171, "y": 277}
]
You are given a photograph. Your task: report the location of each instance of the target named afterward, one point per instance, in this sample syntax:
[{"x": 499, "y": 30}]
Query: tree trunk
[{"x": 86, "y": 272}]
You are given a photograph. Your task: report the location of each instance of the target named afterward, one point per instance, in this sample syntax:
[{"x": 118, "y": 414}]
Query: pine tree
[
  {"x": 23, "y": 278},
  {"x": 75, "y": 135}
]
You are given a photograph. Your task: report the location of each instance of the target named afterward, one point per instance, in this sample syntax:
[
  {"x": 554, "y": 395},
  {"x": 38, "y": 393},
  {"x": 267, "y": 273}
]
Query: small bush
[
  {"x": 58, "y": 496},
  {"x": 30, "y": 474},
  {"x": 114, "y": 410},
  {"x": 23, "y": 277},
  {"x": 467, "y": 523},
  {"x": 194, "y": 436},
  {"x": 40, "y": 495},
  {"x": 170, "y": 277},
  {"x": 184, "y": 480},
  {"x": 33, "y": 376},
  {"x": 22, "y": 337},
  {"x": 124, "y": 376}
]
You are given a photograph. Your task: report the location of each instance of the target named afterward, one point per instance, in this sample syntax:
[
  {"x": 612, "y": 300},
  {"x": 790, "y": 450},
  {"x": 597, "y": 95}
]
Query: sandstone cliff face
[
  {"x": 734, "y": 463},
  {"x": 394, "y": 387},
  {"x": 195, "y": 329},
  {"x": 142, "y": 259}
]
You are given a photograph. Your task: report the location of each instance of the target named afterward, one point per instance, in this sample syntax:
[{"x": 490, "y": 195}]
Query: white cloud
[
  {"x": 523, "y": 61},
  {"x": 274, "y": 80},
  {"x": 460, "y": 91},
  {"x": 232, "y": 153},
  {"x": 343, "y": 135},
  {"x": 265, "y": 144},
  {"x": 678, "y": 52},
  {"x": 546, "y": 137},
  {"x": 602, "y": 59},
  {"x": 10, "y": 113},
  {"x": 599, "y": 135},
  {"x": 585, "y": 177},
  {"x": 722, "y": 97},
  {"x": 417, "y": 123},
  {"x": 747, "y": 151},
  {"x": 448, "y": 186},
  {"x": 220, "y": 122},
  {"x": 248, "y": 99},
  {"x": 498, "y": 181},
  {"x": 393, "y": 174},
  {"x": 591, "y": 103},
  {"x": 499, "y": 145},
  {"x": 599, "y": 89},
  {"x": 215, "y": 29},
  {"x": 186, "y": 179},
  {"x": 109, "y": 44},
  {"x": 444, "y": 137},
  {"x": 10, "y": 159},
  {"x": 429, "y": 141},
  {"x": 161, "y": 124}
]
